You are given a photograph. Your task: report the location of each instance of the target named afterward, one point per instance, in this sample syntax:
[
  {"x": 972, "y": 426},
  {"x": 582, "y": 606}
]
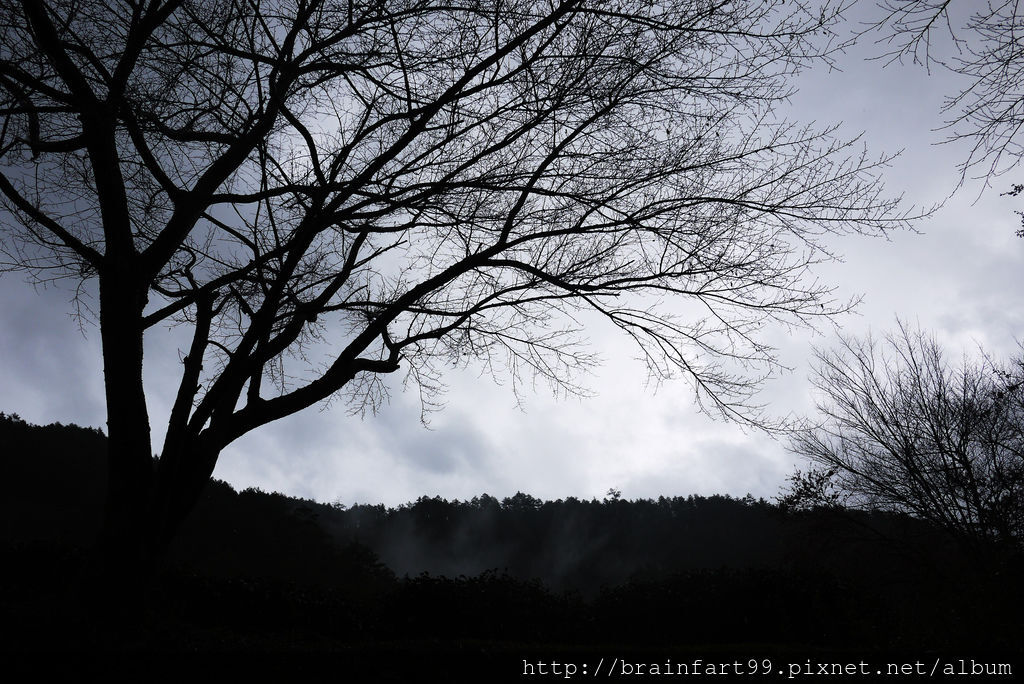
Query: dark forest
[{"x": 489, "y": 582}]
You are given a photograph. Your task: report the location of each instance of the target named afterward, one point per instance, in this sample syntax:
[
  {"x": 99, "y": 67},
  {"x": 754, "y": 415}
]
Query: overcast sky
[{"x": 960, "y": 277}]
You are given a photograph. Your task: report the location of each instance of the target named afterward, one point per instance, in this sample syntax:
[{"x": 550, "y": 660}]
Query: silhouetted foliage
[
  {"x": 902, "y": 430},
  {"x": 569, "y": 544},
  {"x": 52, "y": 481},
  {"x": 812, "y": 489},
  {"x": 1014, "y": 192}
]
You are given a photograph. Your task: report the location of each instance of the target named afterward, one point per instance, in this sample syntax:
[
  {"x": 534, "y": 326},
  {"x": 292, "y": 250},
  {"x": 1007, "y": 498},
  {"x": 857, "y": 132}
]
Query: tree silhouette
[
  {"x": 327, "y": 192},
  {"x": 988, "y": 112},
  {"x": 904, "y": 431}
]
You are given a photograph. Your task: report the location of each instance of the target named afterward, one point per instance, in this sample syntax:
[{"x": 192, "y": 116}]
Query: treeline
[
  {"x": 253, "y": 570},
  {"x": 583, "y": 545}
]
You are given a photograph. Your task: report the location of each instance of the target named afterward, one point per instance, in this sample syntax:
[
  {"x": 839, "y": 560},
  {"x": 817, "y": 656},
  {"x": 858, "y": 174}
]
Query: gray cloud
[
  {"x": 961, "y": 276},
  {"x": 49, "y": 370}
]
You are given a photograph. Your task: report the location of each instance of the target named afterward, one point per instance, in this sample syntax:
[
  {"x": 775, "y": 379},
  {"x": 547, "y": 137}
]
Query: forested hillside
[{"x": 253, "y": 569}]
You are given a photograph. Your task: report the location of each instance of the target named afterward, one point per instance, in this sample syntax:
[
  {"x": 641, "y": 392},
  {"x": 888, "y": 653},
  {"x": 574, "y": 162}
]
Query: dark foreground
[{"x": 269, "y": 588}]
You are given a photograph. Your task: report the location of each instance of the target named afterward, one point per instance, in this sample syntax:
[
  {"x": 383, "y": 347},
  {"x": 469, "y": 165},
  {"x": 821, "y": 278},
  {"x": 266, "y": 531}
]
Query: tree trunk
[
  {"x": 147, "y": 501},
  {"x": 185, "y": 467},
  {"x": 126, "y": 551}
]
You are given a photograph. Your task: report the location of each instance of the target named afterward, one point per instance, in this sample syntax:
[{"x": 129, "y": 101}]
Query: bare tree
[
  {"x": 988, "y": 53},
  {"x": 902, "y": 430},
  {"x": 327, "y": 192}
]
